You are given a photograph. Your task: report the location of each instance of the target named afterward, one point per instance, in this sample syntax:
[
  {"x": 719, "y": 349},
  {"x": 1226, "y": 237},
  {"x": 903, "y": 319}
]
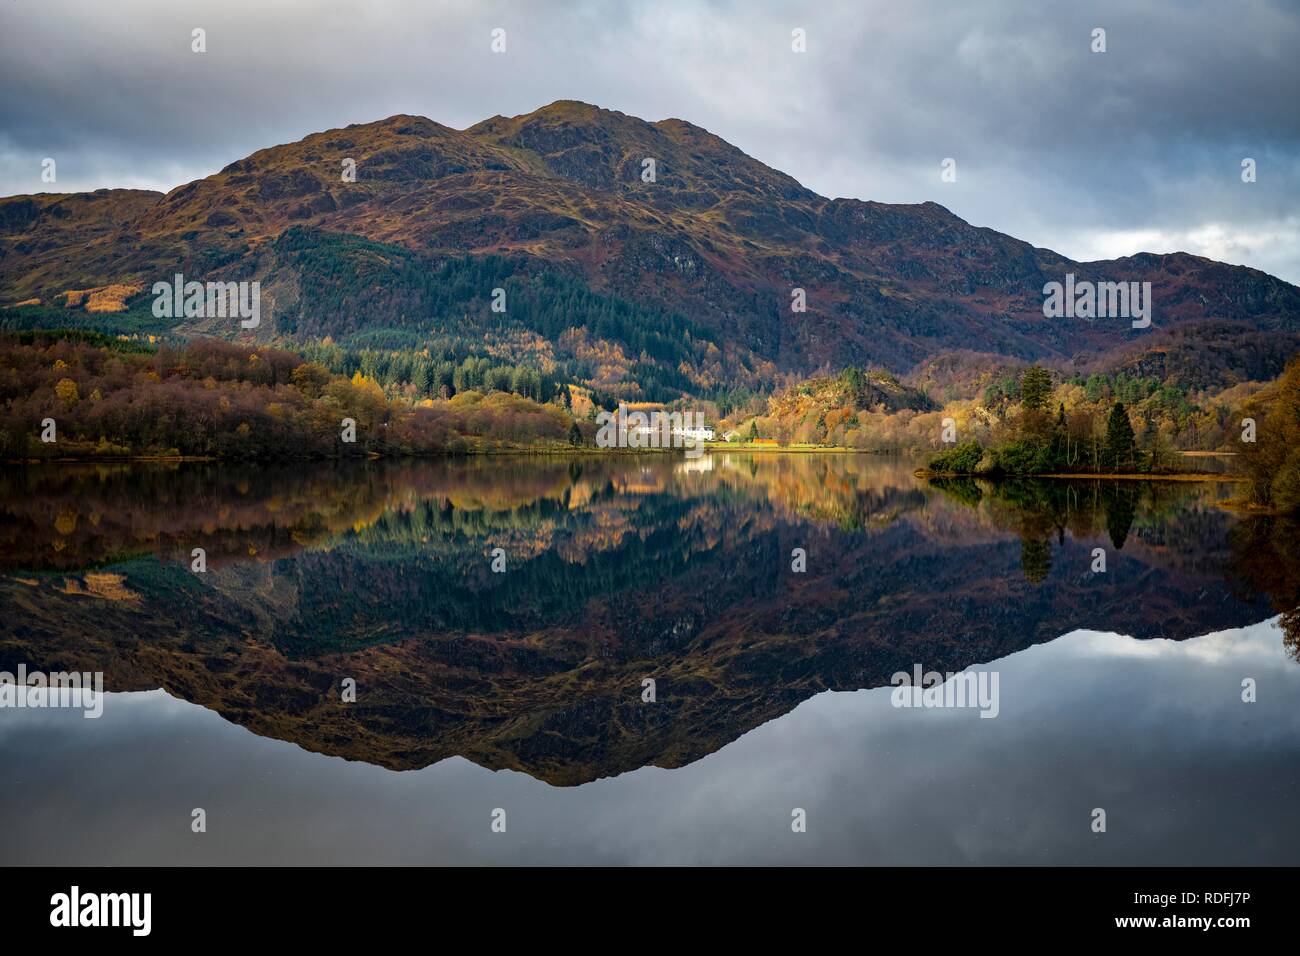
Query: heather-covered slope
[{"x": 714, "y": 244}]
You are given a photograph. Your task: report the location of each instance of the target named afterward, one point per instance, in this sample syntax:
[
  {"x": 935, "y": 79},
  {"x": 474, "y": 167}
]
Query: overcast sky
[{"x": 1091, "y": 154}]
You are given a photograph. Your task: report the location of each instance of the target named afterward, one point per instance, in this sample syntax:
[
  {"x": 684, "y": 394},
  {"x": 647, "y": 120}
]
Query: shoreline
[
  {"x": 1122, "y": 476},
  {"x": 570, "y": 451},
  {"x": 559, "y": 450}
]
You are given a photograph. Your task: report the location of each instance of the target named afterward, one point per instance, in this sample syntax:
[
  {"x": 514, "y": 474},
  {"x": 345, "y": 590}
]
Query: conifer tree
[{"x": 1119, "y": 438}]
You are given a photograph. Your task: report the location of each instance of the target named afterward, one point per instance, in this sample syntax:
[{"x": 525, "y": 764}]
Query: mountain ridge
[{"x": 718, "y": 238}]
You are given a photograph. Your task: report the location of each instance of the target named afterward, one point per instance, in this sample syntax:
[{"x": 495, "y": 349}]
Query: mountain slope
[{"x": 717, "y": 242}]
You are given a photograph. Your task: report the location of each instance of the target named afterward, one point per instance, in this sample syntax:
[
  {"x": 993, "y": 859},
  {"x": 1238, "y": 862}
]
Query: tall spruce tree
[
  {"x": 1035, "y": 388},
  {"x": 1119, "y": 438}
]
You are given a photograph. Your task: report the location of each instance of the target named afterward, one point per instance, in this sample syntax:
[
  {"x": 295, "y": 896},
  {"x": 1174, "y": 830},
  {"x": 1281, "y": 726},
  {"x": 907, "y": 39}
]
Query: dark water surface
[{"x": 524, "y": 690}]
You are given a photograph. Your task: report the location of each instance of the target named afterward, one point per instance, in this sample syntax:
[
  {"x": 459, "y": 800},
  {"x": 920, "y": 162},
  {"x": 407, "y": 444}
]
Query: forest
[
  {"x": 1066, "y": 414},
  {"x": 85, "y": 394},
  {"x": 75, "y": 395},
  {"x": 404, "y": 297},
  {"x": 1266, "y": 429},
  {"x": 1037, "y": 442}
]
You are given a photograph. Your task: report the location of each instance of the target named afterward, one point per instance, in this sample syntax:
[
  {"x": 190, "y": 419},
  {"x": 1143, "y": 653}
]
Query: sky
[{"x": 1092, "y": 154}]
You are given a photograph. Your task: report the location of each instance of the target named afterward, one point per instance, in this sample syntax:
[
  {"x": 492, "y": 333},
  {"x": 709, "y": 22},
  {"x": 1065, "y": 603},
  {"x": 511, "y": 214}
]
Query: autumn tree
[
  {"x": 1273, "y": 460},
  {"x": 310, "y": 379},
  {"x": 66, "y": 389}
]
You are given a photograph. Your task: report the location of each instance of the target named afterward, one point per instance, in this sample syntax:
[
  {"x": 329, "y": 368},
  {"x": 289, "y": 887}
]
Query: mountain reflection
[{"x": 617, "y": 569}]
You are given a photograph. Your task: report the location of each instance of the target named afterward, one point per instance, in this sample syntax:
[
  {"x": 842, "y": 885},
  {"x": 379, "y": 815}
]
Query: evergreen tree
[
  {"x": 1035, "y": 387},
  {"x": 420, "y": 376},
  {"x": 1119, "y": 438},
  {"x": 1060, "y": 438}
]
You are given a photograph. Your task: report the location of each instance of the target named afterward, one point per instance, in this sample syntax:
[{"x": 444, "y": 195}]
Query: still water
[{"x": 520, "y": 694}]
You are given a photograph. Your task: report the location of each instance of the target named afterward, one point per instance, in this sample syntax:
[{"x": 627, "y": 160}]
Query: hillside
[
  {"x": 682, "y": 284},
  {"x": 112, "y": 399}
]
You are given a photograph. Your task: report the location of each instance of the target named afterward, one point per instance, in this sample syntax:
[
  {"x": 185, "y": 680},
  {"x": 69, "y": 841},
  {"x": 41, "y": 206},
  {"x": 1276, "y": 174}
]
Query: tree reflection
[{"x": 1265, "y": 558}]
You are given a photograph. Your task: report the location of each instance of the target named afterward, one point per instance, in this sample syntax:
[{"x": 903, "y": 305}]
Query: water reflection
[
  {"x": 1154, "y": 731},
  {"x": 617, "y": 570}
]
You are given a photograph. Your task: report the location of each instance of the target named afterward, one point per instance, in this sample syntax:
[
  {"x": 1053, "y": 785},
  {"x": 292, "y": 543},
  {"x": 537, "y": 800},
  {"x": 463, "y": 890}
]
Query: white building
[{"x": 695, "y": 432}]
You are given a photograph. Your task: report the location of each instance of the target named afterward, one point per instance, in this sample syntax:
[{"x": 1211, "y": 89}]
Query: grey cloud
[{"x": 1086, "y": 153}]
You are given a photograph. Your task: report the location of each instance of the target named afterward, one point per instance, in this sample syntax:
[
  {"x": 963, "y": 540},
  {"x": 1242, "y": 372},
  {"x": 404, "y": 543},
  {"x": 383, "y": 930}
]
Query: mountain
[{"x": 685, "y": 281}]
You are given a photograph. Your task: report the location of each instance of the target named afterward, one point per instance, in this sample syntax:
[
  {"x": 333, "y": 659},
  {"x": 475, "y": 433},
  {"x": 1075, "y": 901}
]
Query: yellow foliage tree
[{"x": 66, "y": 389}]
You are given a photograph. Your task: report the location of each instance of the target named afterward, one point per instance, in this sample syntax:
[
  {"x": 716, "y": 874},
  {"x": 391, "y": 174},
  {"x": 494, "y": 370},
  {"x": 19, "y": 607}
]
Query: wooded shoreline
[{"x": 1122, "y": 476}]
